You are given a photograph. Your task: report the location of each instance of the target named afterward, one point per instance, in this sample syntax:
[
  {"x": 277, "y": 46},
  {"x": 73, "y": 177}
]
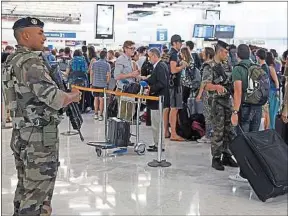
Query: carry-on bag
[
  {"x": 262, "y": 157},
  {"x": 118, "y": 132}
]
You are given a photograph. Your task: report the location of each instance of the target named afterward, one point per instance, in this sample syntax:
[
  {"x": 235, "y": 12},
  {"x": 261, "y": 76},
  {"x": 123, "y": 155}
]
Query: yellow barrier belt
[{"x": 117, "y": 93}]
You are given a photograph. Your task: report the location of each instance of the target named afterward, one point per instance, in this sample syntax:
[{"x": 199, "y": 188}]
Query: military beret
[
  {"x": 27, "y": 22},
  {"x": 223, "y": 44}
]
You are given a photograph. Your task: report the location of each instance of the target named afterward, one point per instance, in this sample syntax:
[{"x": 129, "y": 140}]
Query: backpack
[
  {"x": 184, "y": 122},
  {"x": 257, "y": 92},
  {"x": 9, "y": 78},
  {"x": 192, "y": 78},
  {"x": 78, "y": 64},
  {"x": 198, "y": 126}
]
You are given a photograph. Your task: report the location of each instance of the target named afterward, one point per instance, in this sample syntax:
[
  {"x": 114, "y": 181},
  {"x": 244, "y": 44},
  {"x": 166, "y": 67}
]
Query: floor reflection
[{"x": 88, "y": 185}]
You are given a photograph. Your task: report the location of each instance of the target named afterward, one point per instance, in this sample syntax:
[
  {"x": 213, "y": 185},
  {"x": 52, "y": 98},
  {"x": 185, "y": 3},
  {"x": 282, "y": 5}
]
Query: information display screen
[
  {"x": 104, "y": 21},
  {"x": 224, "y": 31},
  {"x": 203, "y": 31}
]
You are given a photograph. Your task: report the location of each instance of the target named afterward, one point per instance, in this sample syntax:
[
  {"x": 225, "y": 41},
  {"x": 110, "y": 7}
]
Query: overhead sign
[
  {"x": 158, "y": 46},
  {"x": 162, "y": 35},
  {"x": 60, "y": 34},
  {"x": 74, "y": 43}
]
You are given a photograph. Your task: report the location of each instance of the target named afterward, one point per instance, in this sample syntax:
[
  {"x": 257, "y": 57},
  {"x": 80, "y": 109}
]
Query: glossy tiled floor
[{"x": 125, "y": 185}]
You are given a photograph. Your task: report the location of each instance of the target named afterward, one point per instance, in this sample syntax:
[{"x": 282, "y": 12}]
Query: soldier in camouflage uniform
[
  {"x": 217, "y": 79},
  {"x": 35, "y": 100}
]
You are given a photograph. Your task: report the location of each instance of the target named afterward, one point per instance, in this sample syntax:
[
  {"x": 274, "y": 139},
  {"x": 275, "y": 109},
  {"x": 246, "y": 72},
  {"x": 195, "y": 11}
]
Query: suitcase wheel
[
  {"x": 98, "y": 152},
  {"x": 140, "y": 149}
]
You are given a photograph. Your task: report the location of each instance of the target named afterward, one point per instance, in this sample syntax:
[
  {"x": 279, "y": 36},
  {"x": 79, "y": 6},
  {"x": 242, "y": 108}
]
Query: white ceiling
[{"x": 42, "y": 8}]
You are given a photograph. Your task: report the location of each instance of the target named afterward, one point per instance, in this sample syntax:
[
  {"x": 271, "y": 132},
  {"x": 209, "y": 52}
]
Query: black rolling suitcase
[
  {"x": 262, "y": 157},
  {"x": 118, "y": 132}
]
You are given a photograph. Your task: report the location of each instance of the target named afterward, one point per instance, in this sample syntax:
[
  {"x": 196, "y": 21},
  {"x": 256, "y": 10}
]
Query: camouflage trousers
[
  {"x": 207, "y": 113},
  {"x": 37, "y": 165},
  {"x": 224, "y": 132}
]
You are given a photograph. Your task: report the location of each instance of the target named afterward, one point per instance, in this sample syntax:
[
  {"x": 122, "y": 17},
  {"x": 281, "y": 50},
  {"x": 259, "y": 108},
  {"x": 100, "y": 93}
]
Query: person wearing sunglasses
[{"x": 125, "y": 73}]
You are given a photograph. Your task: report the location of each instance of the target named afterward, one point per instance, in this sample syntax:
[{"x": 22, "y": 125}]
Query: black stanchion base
[
  {"x": 69, "y": 133},
  {"x": 162, "y": 163}
]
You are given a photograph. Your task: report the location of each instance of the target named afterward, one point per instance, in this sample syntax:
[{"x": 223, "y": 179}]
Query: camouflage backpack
[
  {"x": 10, "y": 79},
  {"x": 257, "y": 92}
]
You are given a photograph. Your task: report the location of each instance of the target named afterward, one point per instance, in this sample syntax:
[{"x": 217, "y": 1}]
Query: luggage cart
[{"x": 139, "y": 148}]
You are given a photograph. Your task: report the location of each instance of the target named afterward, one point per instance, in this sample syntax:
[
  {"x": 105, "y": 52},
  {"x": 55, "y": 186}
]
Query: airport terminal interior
[{"x": 141, "y": 172}]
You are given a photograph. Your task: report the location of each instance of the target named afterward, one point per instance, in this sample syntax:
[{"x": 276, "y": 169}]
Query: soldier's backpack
[
  {"x": 9, "y": 78},
  {"x": 257, "y": 92}
]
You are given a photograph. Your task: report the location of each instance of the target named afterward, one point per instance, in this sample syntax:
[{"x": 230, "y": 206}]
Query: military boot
[
  {"x": 217, "y": 164},
  {"x": 227, "y": 160}
]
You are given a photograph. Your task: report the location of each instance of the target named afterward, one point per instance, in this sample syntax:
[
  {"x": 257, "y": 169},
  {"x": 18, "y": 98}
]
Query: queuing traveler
[
  {"x": 101, "y": 72},
  {"x": 124, "y": 74},
  {"x": 274, "y": 96},
  {"x": 186, "y": 80},
  {"x": 7, "y": 51},
  {"x": 35, "y": 151},
  {"x": 246, "y": 115},
  {"x": 142, "y": 56},
  {"x": 176, "y": 67},
  {"x": 217, "y": 80},
  {"x": 158, "y": 85},
  {"x": 285, "y": 102},
  {"x": 208, "y": 56},
  {"x": 195, "y": 56},
  {"x": 261, "y": 60},
  {"x": 6, "y": 115}
]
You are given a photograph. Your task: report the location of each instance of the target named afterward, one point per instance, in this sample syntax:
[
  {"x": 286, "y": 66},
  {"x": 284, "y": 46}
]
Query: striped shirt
[{"x": 100, "y": 69}]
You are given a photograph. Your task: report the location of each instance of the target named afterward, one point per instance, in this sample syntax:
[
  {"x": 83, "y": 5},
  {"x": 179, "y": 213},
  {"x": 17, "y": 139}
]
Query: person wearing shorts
[
  {"x": 176, "y": 67},
  {"x": 100, "y": 76}
]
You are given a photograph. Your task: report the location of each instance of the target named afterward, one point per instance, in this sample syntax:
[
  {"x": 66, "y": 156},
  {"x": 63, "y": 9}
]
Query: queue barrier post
[
  {"x": 159, "y": 162},
  {"x": 105, "y": 142},
  {"x": 69, "y": 132}
]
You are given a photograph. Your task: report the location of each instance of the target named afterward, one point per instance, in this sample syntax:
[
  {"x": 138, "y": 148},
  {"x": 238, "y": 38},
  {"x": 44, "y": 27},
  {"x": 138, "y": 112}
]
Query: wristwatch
[{"x": 235, "y": 112}]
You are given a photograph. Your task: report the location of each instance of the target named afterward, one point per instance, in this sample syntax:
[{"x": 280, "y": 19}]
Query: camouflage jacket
[
  {"x": 210, "y": 76},
  {"x": 37, "y": 98}
]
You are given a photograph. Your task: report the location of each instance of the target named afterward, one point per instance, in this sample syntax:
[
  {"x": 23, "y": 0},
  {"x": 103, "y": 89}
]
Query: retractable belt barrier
[
  {"x": 116, "y": 93},
  {"x": 155, "y": 163}
]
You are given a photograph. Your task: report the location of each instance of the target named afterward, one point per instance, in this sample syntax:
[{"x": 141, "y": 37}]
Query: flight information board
[
  {"x": 224, "y": 31},
  {"x": 203, "y": 31},
  {"x": 104, "y": 21}
]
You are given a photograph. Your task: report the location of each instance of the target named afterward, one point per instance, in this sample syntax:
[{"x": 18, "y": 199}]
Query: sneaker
[
  {"x": 204, "y": 140},
  {"x": 238, "y": 178},
  {"x": 100, "y": 118},
  {"x": 96, "y": 117}
]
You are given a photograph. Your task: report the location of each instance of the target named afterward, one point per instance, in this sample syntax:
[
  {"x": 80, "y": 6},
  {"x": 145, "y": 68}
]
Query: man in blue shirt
[{"x": 101, "y": 71}]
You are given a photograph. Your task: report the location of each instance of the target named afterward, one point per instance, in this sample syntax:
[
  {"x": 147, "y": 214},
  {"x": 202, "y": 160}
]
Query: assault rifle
[
  {"x": 222, "y": 78},
  {"x": 72, "y": 110}
]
